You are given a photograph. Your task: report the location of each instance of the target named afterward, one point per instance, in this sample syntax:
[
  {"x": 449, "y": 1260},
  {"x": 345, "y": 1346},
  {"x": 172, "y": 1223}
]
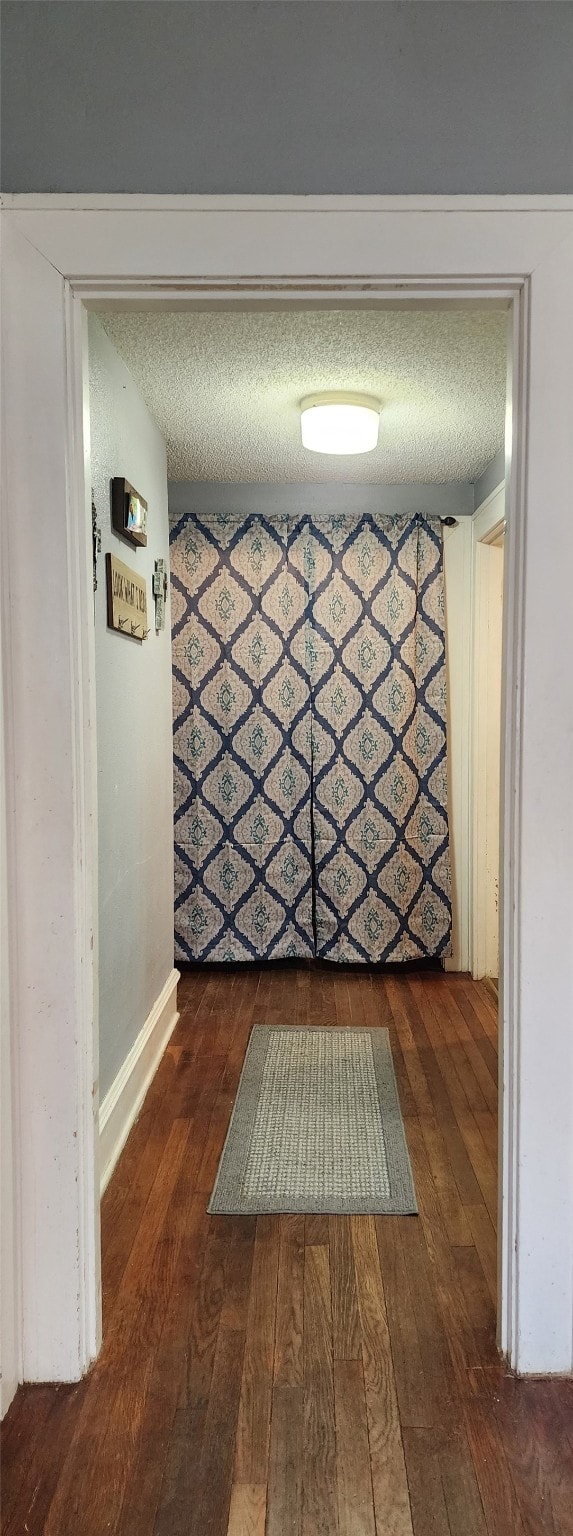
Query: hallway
[{"x": 301, "y": 1375}]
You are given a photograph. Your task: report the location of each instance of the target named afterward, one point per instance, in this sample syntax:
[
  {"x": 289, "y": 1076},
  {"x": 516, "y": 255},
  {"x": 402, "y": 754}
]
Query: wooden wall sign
[{"x": 126, "y": 599}]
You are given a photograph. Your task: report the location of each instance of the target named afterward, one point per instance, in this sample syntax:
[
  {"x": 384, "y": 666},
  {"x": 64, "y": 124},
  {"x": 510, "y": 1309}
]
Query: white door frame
[
  {"x": 60, "y": 252},
  {"x": 487, "y": 531}
]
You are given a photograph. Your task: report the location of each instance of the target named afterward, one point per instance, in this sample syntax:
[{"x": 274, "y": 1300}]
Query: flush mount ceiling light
[{"x": 339, "y": 422}]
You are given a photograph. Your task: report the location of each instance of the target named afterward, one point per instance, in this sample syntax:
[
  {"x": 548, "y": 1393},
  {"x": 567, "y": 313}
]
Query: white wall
[{"x": 134, "y": 742}]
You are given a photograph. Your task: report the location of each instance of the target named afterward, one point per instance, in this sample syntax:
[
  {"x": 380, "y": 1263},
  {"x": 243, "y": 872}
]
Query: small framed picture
[{"x": 128, "y": 511}]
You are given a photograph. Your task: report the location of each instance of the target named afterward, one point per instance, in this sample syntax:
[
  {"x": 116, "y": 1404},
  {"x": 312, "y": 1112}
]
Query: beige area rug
[{"x": 316, "y": 1127}]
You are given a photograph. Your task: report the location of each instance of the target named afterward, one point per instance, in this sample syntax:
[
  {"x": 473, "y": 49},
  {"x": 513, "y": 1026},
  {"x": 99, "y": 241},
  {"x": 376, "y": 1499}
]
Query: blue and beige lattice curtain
[{"x": 309, "y": 688}]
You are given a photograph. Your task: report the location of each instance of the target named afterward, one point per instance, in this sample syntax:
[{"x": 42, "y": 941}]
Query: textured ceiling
[{"x": 224, "y": 389}]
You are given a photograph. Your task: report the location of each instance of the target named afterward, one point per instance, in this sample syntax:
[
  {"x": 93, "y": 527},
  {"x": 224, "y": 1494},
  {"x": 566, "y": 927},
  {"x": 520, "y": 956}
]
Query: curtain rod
[{"x": 175, "y": 515}]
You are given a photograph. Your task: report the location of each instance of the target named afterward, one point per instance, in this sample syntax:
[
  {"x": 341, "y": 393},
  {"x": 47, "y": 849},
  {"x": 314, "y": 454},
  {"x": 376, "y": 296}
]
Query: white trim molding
[
  {"x": 486, "y": 616},
  {"x": 123, "y": 1101},
  {"x": 326, "y": 202},
  {"x": 51, "y": 816},
  {"x": 59, "y": 257}
]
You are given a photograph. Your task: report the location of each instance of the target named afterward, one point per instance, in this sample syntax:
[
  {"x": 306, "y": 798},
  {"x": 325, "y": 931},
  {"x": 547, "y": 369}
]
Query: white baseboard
[{"x": 124, "y": 1099}]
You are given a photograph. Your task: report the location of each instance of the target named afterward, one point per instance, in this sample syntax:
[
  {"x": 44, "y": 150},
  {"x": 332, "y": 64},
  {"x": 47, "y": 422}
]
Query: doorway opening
[
  {"x": 150, "y": 386},
  {"x": 56, "y": 257},
  {"x": 56, "y": 260}
]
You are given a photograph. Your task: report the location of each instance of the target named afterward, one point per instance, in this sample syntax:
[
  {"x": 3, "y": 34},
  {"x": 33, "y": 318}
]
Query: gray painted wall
[
  {"x": 493, "y": 475},
  {"x": 210, "y": 497},
  {"x": 294, "y": 96},
  {"x": 133, "y": 701}
]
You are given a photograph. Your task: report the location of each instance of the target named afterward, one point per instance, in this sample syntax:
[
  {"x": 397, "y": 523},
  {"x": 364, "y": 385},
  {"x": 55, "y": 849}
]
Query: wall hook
[
  {"x": 134, "y": 628},
  {"x": 122, "y": 623}
]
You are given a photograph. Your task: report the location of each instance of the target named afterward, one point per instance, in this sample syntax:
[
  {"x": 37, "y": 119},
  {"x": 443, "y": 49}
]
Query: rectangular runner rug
[{"x": 316, "y": 1127}]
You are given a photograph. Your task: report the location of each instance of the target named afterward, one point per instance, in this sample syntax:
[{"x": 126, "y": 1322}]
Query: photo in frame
[{"x": 128, "y": 511}]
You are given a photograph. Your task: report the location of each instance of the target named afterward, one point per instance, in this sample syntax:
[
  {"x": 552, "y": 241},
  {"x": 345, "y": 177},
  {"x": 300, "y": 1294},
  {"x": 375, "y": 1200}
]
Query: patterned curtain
[{"x": 309, "y": 738}]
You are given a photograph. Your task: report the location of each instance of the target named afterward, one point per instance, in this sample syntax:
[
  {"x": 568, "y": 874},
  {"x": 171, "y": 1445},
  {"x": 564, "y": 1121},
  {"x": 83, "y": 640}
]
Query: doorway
[
  {"x": 238, "y": 472},
  {"x": 47, "y": 374}
]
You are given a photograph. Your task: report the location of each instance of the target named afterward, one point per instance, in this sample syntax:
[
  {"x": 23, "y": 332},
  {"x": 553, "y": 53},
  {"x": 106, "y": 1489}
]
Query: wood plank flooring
[{"x": 301, "y": 1376}]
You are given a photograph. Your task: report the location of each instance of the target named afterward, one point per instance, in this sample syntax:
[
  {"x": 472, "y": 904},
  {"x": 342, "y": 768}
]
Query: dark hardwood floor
[{"x": 301, "y": 1376}]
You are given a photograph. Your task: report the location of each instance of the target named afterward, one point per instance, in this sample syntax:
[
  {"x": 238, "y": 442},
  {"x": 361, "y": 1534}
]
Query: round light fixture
[{"x": 339, "y": 422}]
